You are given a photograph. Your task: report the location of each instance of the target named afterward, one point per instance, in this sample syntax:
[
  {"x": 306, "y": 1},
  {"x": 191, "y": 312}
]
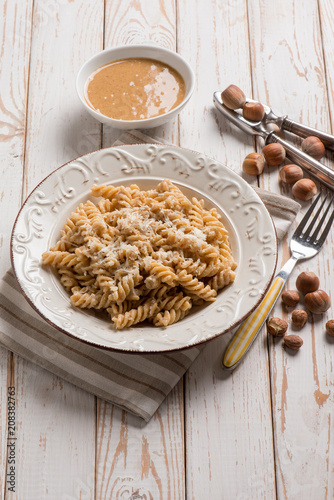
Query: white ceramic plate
[{"x": 252, "y": 236}]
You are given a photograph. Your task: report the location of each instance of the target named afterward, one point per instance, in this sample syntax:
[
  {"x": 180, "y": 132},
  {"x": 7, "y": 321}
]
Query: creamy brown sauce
[{"x": 134, "y": 89}]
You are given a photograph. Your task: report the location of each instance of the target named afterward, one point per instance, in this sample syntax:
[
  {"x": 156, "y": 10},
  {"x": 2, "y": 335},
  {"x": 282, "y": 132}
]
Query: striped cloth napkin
[{"x": 136, "y": 382}]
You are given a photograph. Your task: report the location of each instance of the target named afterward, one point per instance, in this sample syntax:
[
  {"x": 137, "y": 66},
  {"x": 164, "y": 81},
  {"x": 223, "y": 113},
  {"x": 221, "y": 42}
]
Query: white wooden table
[{"x": 264, "y": 432}]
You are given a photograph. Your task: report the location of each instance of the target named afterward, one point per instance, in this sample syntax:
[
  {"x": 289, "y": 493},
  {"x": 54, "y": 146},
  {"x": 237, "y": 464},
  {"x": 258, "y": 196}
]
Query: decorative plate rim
[{"x": 168, "y": 348}]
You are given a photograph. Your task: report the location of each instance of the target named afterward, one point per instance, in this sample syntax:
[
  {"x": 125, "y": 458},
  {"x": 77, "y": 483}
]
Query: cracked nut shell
[
  {"x": 290, "y": 298},
  {"x": 277, "y": 327},
  {"x": 293, "y": 342},
  {"x": 299, "y": 318}
]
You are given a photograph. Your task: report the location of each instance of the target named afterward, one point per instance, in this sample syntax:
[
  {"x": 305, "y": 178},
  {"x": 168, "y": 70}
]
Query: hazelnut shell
[
  {"x": 307, "y": 282},
  {"x": 253, "y": 164},
  {"x": 274, "y": 154},
  {"x": 330, "y": 327},
  {"x": 277, "y": 327},
  {"x": 291, "y": 173},
  {"x": 317, "y": 302},
  {"x": 293, "y": 342},
  {"x": 314, "y": 147},
  {"x": 253, "y": 111},
  {"x": 299, "y": 318},
  {"x": 233, "y": 97},
  {"x": 290, "y": 298},
  {"x": 304, "y": 189}
]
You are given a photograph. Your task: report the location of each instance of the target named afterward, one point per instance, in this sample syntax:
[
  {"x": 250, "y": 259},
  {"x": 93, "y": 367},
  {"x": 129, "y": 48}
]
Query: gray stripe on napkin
[{"x": 137, "y": 382}]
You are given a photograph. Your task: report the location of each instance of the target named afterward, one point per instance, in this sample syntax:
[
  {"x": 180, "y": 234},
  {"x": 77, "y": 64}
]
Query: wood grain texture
[
  {"x": 55, "y": 447},
  {"x": 134, "y": 459},
  {"x": 228, "y": 418},
  {"x": 14, "y": 65},
  {"x": 56, "y": 117},
  {"x": 289, "y": 73},
  {"x": 15, "y": 34},
  {"x": 326, "y": 19},
  {"x": 140, "y": 459},
  {"x": 204, "y": 39},
  {"x": 228, "y": 427},
  {"x": 135, "y": 22},
  {"x": 55, "y": 420}
]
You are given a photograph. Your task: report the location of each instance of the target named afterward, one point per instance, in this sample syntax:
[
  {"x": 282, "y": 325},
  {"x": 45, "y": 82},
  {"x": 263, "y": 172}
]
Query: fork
[{"x": 304, "y": 244}]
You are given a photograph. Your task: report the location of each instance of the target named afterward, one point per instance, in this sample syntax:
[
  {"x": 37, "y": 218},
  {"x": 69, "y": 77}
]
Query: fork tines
[{"x": 308, "y": 222}]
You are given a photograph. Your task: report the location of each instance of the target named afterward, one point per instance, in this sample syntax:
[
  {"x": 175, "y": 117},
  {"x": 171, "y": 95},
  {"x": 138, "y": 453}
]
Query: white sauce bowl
[{"x": 147, "y": 51}]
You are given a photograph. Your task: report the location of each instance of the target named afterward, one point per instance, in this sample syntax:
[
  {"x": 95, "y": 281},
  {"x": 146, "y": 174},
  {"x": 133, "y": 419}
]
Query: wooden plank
[
  {"x": 138, "y": 459},
  {"x": 326, "y": 22},
  {"x": 131, "y": 22},
  {"x": 15, "y": 49},
  {"x": 15, "y": 34},
  {"x": 55, "y": 420},
  {"x": 289, "y": 73},
  {"x": 205, "y": 40},
  {"x": 134, "y": 458},
  {"x": 56, "y": 117},
  {"x": 229, "y": 442}
]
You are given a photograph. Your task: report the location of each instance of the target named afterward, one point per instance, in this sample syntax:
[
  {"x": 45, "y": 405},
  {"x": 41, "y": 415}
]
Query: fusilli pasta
[{"x": 142, "y": 255}]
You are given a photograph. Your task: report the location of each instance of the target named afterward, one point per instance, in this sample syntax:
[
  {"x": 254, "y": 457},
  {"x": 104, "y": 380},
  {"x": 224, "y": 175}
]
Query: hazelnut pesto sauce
[{"x": 134, "y": 89}]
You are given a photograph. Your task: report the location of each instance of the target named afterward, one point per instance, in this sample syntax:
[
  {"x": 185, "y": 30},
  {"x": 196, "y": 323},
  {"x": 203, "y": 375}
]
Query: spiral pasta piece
[
  {"x": 221, "y": 279},
  {"x": 125, "y": 287},
  {"x": 168, "y": 317},
  {"x": 134, "y": 316},
  {"x": 163, "y": 273},
  {"x": 62, "y": 259},
  {"x": 85, "y": 300},
  {"x": 68, "y": 279},
  {"x": 196, "y": 287}
]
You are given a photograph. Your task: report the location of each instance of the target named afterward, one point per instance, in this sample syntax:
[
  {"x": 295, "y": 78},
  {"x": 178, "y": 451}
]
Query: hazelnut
[
  {"x": 330, "y": 327},
  {"x": 277, "y": 327},
  {"x": 253, "y": 164},
  {"x": 293, "y": 342},
  {"x": 274, "y": 154},
  {"x": 304, "y": 189},
  {"x": 314, "y": 147},
  {"x": 307, "y": 282},
  {"x": 317, "y": 302},
  {"x": 290, "y": 298},
  {"x": 272, "y": 127},
  {"x": 233, "y": 97},
  {"x": 253, "y": 111},
  {"x": 291, "y": 173},
  {"x": 299, "y": 317}
]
